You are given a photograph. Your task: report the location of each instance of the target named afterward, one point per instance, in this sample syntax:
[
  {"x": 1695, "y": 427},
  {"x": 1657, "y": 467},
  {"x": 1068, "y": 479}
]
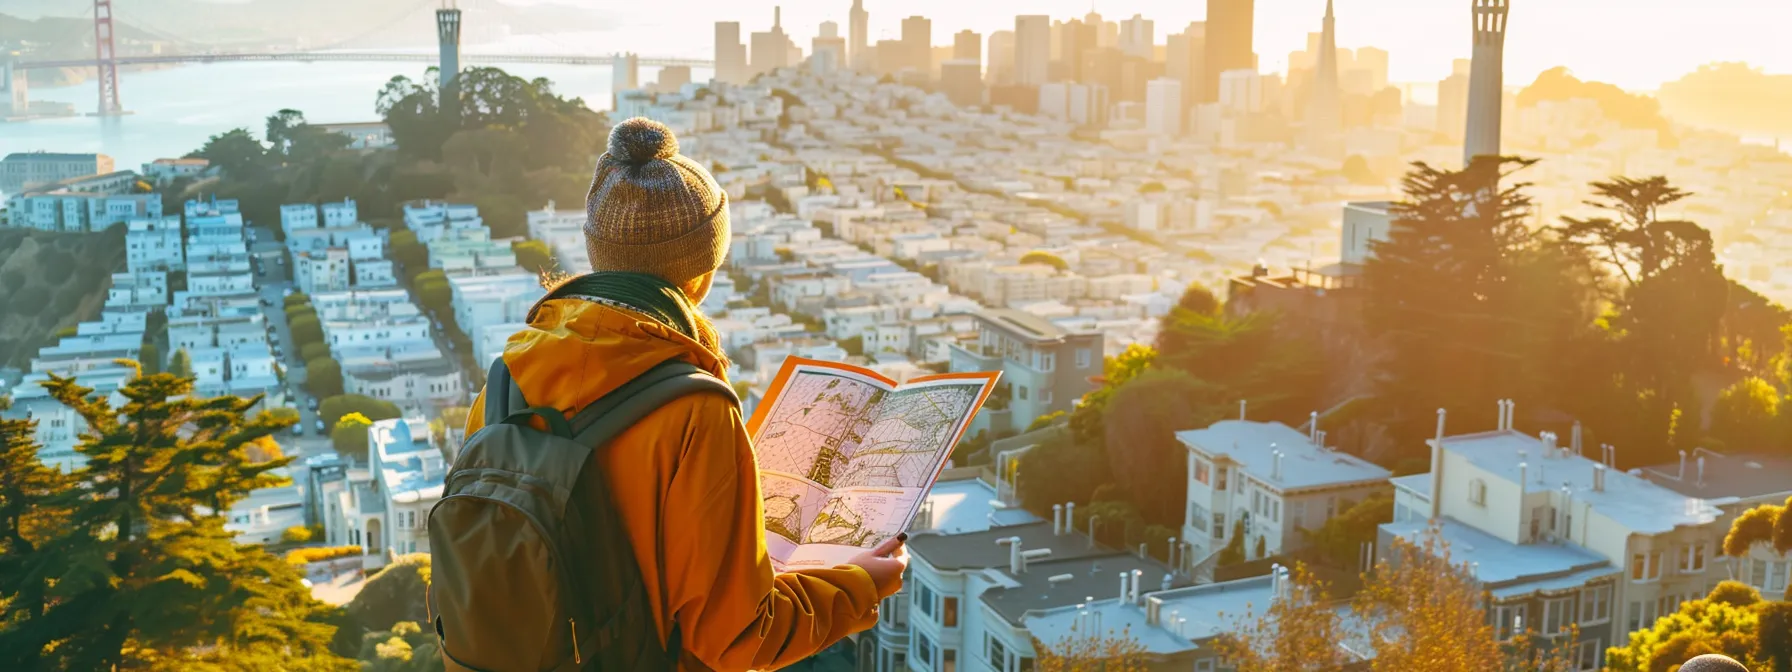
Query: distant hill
[
  {"x": 1731, "y": 97},
  {"x": 1627, "y": 109},
  {"x": 314, "y": 21},
  {"x": 50, "y": 282}
]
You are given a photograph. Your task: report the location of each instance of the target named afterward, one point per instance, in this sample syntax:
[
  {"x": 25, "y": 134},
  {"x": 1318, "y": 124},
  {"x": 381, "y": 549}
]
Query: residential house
[{"x": 1045, "y": 367}]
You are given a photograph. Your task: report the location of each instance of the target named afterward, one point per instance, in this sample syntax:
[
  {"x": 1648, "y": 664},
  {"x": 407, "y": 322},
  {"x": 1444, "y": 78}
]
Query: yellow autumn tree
[
  {"x": 1298, "y": 633},
  {"x": 1424, "y": 612},
  {"x": 1091, "y": 652}
]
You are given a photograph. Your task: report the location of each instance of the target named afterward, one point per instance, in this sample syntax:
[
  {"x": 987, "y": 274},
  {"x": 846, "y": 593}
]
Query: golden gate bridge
[{"x": 107, "y": 60}]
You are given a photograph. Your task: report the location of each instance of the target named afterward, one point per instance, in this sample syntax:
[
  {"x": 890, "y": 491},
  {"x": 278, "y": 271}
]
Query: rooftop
[
  {"x": 1725, "y": 477},
  {"x": 979, "y": 550},
  {"x": 965, "y": 505},
  {"x": 1630, "y": 500},
  {"x": 1419, "y": 484},
  {"x": 1304, "y": 465},
  {"x": 1024, "y": 324},
  {"x": 1078, "y": 579},
  {"x": 1507, "y": 568}
]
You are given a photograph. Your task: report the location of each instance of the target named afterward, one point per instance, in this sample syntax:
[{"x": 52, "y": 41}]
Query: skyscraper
[
  {"x": 625, "y": 76},
  {"x": 917, "y": 42},
  {"x": 448, "y": 70},
  {"x": 967, "y": 45},
  {"x": 828, "y": 50},
  {"x": 859, "y": 44},
  {"x": 1001, "y": 57},
  {"x": 1229, "y": 26},
  {"x": 1376, "y": 62},
  {"x": 1032, "y": 49},
  {"x": 1079, "y": 38},
  {"x": 731, "y": 55},
  {"x": 1325, "y": 112},
  {"x": 1163, "y": 107},
  {"x": 771, "y": 49},
  {"x": 1138, "y": 36},
  {"x": 1185, "y": 53},
  {"x": 1486, "y": 81},
  {"x": 1452, "y": 100}
]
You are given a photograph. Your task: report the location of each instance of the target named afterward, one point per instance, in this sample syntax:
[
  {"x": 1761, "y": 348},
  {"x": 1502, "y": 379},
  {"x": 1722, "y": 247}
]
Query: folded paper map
[{"x": 846, "y": 456}]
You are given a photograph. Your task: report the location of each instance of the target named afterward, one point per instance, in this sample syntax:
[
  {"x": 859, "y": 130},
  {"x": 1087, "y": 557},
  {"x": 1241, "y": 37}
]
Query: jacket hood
[{"x": 576, "y": 351}]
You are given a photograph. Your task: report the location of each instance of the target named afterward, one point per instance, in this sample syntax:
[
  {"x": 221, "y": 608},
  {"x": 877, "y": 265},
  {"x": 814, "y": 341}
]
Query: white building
[
  {"x": 1163, "y": 107},
  {"x": 386, "y": 505},
  {"x": 483, "y": 301},
  {"x": 1275, "y": 481},
  {"x": 154, "y": 244}
]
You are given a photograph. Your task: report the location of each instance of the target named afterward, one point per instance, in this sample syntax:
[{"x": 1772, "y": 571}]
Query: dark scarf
[{"x": 642, "y": 293}]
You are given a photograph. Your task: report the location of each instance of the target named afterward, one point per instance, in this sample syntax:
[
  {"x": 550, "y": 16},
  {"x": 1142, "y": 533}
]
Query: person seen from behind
[{"x": 681, "y": 478}]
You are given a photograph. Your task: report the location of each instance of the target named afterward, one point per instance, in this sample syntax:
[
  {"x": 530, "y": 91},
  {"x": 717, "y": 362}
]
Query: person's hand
[{"x": 885, "y": 563}]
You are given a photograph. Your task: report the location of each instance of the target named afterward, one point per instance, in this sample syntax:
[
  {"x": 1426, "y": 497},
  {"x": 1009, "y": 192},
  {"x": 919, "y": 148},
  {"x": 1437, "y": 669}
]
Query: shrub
[
  {"x": 394, "y": 595},
  {"x": 296, "y": 535},
  {"x": 301, "y": 556}
]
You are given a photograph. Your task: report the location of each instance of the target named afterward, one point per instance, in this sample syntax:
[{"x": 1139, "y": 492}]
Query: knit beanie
[{"x": 653, "y": 211}]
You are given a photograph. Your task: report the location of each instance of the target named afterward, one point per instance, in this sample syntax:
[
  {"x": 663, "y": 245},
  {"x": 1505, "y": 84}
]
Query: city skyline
[{"x": 1628, "y": 54}]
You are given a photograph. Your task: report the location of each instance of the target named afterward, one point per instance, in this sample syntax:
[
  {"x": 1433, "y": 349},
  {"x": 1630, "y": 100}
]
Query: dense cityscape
[{"x": 1251, "y": 326}]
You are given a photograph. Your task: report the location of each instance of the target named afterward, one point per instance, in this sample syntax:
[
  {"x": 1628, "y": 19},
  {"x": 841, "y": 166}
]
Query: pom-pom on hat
[{"x": 651, "y": 210}]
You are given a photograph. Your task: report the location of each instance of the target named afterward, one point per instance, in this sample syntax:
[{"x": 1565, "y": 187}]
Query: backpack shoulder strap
[
  {"x": 601, "y": 421},
  {"x": 504, "y": 402}
]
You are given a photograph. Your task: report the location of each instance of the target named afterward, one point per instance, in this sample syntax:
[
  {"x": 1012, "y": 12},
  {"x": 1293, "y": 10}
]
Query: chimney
[
  {"x": 1144, "y": 550},
  {"x": 1576, "y": 438},
  {"x": 1275, "y": 581},
  {"x": 1174, "y": 554},
  {"x": 1015, "y": 564},
  {"x": 1069, "y": 517},
  {"x": 1057, "y": 519},
  {"x": 1124, "y": 577},
  {"x": 1500, "y": 423},
  {"x": 1313, "y": 428},
  {"x": 1564, "y": 515},
  {"x": 1138, "y": 577},
  {"x": 1437, "y": 468},
  {"x": 1276, "y": 471},
  {"x": 1598, "y": 477},
  {"x": 1682, "y": 475},
  {"x": 1153, "y": 607},
  {"x": 1523, "y": 469},
  {"x": 1241, "y": 406},
  {"x": 1701, "y": 481},
  {"x": 1060, "y": 578}
]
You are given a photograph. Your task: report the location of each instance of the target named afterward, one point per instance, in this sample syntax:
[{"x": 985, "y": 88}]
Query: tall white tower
[
  {"x": 448, "y": 39},
  {"x": 858, "y": 45},
  {"x": 1486, "y": 81}
]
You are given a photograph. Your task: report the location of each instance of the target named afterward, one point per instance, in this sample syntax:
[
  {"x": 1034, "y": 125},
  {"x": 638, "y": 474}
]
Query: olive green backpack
[{"x": 532, "y": 569}]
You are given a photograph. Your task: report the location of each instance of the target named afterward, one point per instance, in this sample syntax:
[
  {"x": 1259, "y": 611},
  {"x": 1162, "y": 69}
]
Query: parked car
[
  {"x": 298, "y": 429},
  {"x": 320, "y": 426},
  {"x": 312, "y": 402}
]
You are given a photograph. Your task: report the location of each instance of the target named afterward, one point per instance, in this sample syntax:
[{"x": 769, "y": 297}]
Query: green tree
[
  {"x": 394, "y": 595},
  {"x": 433, "y": 292},
  {"x": 280, "y": 126},
  {"x": 533, "y": 255},
  {"x": 1246, "y": 356},
  {"x": 1086, "y": 419},
  {"x": 348, "y": 435},
  {"x": 323, "y": 378},
  {"x": 410, "y": 255},
  {"x": 181, "y": 364},
  {"x": 1059, "y": 470},
  {"x": 1199, "y": 301},
  {"x": 149, "y": 577},
  {"x": 1437, "y": 288},
  {"x": 151, "y": 358},
  {"x": 1725, "y": 622},
  {"x": 333, "y": 408},
  {"x": 1746, "y": 417},
  {"x": 410, "y": 110},
  {"x": 33, "y": 505},
  {"x": 1142, "y": 449},
  {"x": 236, "y": 152},
  {"x": 1233, "y": 552},
  {"x": 311, "y": 351},
  {"x": 1339, "y": 541},
  {"x": 306, "y": 329},
  {"x": 1045, "y": 258},
  {"x": 1765, "y": 525}
]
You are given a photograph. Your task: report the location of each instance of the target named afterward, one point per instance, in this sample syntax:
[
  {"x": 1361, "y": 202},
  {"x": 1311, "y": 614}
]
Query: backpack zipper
[{"x": 576, "y": 658}]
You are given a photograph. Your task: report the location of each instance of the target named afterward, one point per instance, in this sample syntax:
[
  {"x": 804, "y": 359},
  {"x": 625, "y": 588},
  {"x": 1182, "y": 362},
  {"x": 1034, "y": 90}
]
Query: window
[
  {"x": 1204, "y": 665},
  {"x": 949, "y": 660},
  {"x": 1084, "y": 358},
  {"x": 1776, "y": 577},
  {"x": 994, "y": 652},
  {"x": 1757, "y": 575},
  {"x": 1197, "y": 516},
  {"x": 1508, "y": 620},
  {"x": 924, "y": 600},
  {"x": 1586, "y": 658},
  {"x": 1645, "y": 566},
  {"x": 1020, "y": 392},
  {"x": 1222, "y": 479},
  {"x": 1049, "y": 361},
  {"x": 1203, "y": 472},
  {"x": 1219, "y": 525},
  {"x": 1692, "y": 558},
  {"x": 1642, "y": 615},
  {"x": 923, "y": 651},
  {"x": 1596, "y": 604},
  {"x": 1558, "y": 614},
  {"x": 1256, "y": 502},
  {"x": 1026, "y": 664},
  {"x": 949, "y": 612},
  {"x": 1298, "y": 514},
  {"x": 1477, "y": 492}
]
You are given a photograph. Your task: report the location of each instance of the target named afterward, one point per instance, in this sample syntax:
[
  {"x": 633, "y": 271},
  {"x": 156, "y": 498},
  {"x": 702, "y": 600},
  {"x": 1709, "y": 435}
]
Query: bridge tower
[
  {"x": 107, "y": 57},
  {"x": 448, "y": 38}
]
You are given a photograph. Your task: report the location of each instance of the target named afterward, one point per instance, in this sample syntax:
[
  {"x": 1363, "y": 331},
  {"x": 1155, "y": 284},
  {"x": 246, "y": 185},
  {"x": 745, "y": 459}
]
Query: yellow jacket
[{"x": 687, "y": 489}]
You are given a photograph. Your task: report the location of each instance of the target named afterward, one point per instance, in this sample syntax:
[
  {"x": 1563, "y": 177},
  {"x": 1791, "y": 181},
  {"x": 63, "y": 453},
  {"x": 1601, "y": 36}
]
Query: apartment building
[
  {"x": 481, "y": 302},
  {"x": 163, "y": 172},
  {"x": 1560, "y": 539},
  {"x": 78, "y": 211},
  {"x": 154, "y": 244},
  {"x": 1736, "y": 484},
  {"x": 23, "y": 170},
  {"x": 386, "y": 505},
  {"x": 1271, "y": 479},
  {"x": 1045, "y": 367},
  {"x": 432, "y": 219}
]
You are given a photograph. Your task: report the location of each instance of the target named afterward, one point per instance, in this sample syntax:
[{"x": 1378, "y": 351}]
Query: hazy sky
[{"x": 1633, "y": 43}]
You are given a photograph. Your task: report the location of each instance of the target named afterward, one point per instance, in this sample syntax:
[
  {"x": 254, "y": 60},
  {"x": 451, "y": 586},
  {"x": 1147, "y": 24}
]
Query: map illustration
[{"x": 846, "y": 456}]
